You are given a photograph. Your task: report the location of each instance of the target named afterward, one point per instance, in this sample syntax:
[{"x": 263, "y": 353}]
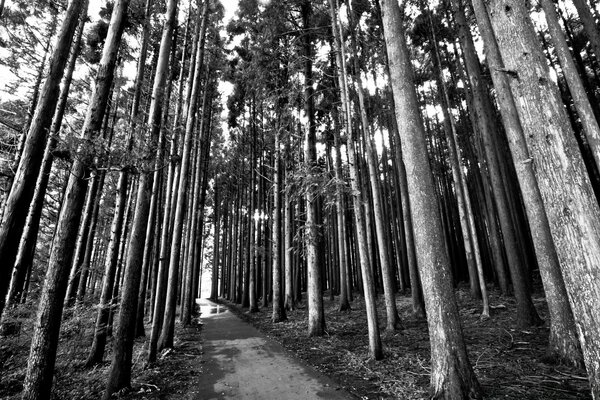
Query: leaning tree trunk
[
  {"x": 112, "y": 252},
  {"x": 526, "y": 313},
  {"x": 578, "y": 93},
  {"x": 566, "y": 191},
  {"x": 24, "y": 260},
  {"x": 563, "y": 342},
  {"x": 589, "y": 25},
  {"x": 120, "y": 369},
  {"x": 451, "y": 374},
  {"x": 23, "y": 186},
  {"x": 40, "y": 366}
]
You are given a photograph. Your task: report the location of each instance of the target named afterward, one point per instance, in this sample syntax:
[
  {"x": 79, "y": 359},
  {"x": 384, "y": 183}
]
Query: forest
[{"x": 403, "y": 193}]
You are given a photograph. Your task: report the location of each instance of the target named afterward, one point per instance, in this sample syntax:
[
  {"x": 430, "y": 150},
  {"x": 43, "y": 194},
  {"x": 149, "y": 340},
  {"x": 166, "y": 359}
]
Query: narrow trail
[{"x": 241, "y": 363}]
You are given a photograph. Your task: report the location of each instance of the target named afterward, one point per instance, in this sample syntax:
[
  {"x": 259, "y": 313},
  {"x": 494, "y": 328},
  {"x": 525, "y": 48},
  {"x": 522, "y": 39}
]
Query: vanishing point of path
[{"x": 241, "y": 363}]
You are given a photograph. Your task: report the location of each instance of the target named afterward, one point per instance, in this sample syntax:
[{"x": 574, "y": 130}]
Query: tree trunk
[
  {"x": 565, "y": 188},
  {"x": 289, "y": 251},
  {"x": 393, "y": 320},
  {"x": 589, "y": 25},
  {"x": 120, "y": 369},
  {"x": 375, "y": 348},
  {"x": 22, "y": 190},
  {"x": 40, "y": 366},
  {"x": 199, "y": 194},
  {"x": 278, "y": 301},
  {"x": 168, "y": 328},
  {"x": 24, "y": 259},
  {"x": 563, "y": 336},
  {"x": 451, "y": 374},
  {"x": 578, "y": 93},
  {"x": 316, "y": 315},
  {"x": 216, "y": 236},
  {"x": 166, "y": 233}
]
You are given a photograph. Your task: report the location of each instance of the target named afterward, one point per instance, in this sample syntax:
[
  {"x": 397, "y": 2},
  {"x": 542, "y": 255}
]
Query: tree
[
  {"x": 316, "y": 317},
  {"x": 120, "y": 368},
  {"x": 572, "y": 211},
  {"x": 375, "y": 349},
  {"x": 278, "y": 298},
  {"x": 24, "y": 259},
  {"x": 166, "y": 336},
  {"x": 112, "y": 252},
  {"x": 451, "y": 374},
  {"x": 40, "y": 366},
  {"x": 22, "y": 189}
]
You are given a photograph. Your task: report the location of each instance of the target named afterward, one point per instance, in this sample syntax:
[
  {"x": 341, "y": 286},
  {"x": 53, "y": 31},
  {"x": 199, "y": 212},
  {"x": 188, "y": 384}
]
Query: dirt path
[{"x": 241, "y": 363}]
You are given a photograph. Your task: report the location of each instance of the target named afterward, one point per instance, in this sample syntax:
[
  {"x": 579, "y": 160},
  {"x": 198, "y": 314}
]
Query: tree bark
[
  {"x": 563, "y": 342},
  {"x": 316, "y": 315},
  {"x": 40, "y": 366},
  {"x": 120, "y": 369},
  {"x": 24, "y": 259},
  {"x": 22, "y": 190},
  {"x": 278, "y": 300},
  {"x": 565, "y": 188},
  {"x": 451, "y": 374},
  {"x": 375, "y": 348},
  {"x": 168, "y": 328}
]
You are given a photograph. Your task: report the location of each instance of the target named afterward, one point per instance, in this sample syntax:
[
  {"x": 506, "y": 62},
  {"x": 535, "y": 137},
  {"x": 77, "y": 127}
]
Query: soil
[{"x": 508, "y": 361}]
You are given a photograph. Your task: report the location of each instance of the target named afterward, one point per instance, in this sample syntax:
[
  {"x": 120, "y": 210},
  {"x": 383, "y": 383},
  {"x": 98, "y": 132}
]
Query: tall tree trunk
[
  {"x": 589, "y": 25},
  {"x": 451, "y": 374},
  {"x": 476, "y": 278},
  {"x": 578, "y": 93},
  {"x": 89, "y": 245},
  {"x": 40, "y": 366},
  {"x": 199, "y": 194},
  {"x": 563, "y": 336},
  {"x": 24, "y": 259},
  {"x": 112, "y": 252},
  {"x": 168, "y": 328},
  {"x": 566, "y": 191},
  {"x": 289, "y": 250},
  {"x": 21, "y": 192},
  {"x": 216, "y": 236},
  {"x": 316, "y": 315},
  {"x": 526, "y": 312},
  {"x": 120, "y": 369},
  {"x": 166, "y": 233},
  {"x": 253, "y": 216},
  {"x": 393, "y": 320},
  {"x": 375, "y": 348},
  {"x": 101, "y": 327},
  {"x": 278, "y": 298}
]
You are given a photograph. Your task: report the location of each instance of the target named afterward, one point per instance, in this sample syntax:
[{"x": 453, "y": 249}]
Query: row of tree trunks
[
  {"x": 120, "y": 369},
  {"x": 451, "y": 374},
  {"x": 22, "y": 190},
  {"x": 40, "y": 366},
  {"x": 24, "y": 259},
  {"x": 573, "y": 213}
]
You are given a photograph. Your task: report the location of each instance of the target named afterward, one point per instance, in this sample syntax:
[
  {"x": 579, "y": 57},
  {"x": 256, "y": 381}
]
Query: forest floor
[{"x": 507, "y": 361}]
